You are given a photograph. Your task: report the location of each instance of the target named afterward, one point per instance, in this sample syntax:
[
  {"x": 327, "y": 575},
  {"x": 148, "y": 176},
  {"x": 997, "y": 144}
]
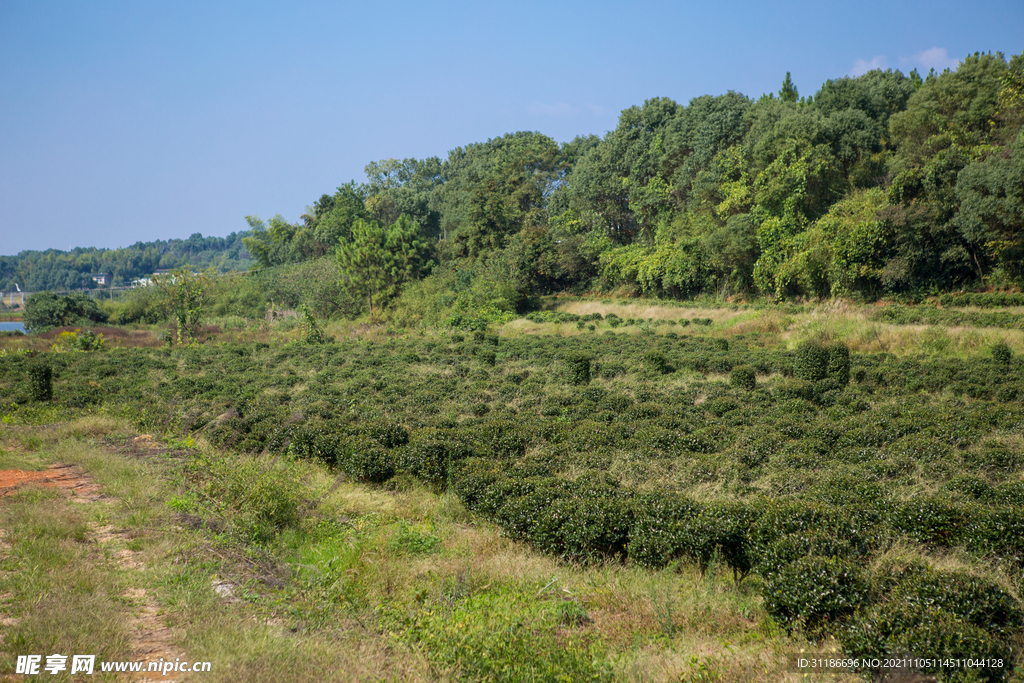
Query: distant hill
[{"x": 54, "y": 269}]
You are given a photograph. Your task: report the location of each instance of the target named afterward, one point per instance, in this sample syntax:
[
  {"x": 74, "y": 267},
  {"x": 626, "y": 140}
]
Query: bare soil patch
[{"x": 65, "y": 477}]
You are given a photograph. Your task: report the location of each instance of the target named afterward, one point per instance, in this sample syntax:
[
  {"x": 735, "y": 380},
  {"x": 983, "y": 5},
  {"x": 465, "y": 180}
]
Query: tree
[
  {"x": 46, "y": 310},
  {"x": 492, "y": 190},
  {"x": 991, "y": 215},
  {"x": 788, "y": 92},
  {"x": 270, "y": 245},
  {"x": 376, "y": 262},
  {"x": 185, "y": 295}
]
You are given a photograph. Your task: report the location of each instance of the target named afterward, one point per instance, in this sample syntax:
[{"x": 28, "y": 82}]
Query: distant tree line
[{"x": 68, "y": 270}]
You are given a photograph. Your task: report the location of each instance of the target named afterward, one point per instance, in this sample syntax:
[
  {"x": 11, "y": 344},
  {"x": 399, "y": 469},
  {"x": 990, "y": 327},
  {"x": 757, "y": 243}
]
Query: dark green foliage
[
  {"x": 1001, "y": 353},
  {"x": 838, "y": 367},
  {"x": 658, "y": 534},
  {"x": 982, "y": 299},
  {"x": 40, "y": 381},
  {"x": 656, "y": 363},
  {"x": 931, "y": 521},
  {"x": 927, "y": 633},
  {"x": 577, "y": 368},
  {"x": 387, "y": 433},
  {"x": 970, "y": 598},
  {"x": 364, "y": 459},
  {"x": 926, "y": 315},
  {"x": 430, "y": 453},
  {"x": 46, "y": 310},
  {"x": 816, "y": 361},
  {"x": 318, "y": 440},
  {"x": 812, "y": 360},
  {"x": 839, "y": 468},
  {"x": 594, "y": 527},
  {"x": 53, "y": 269},
  {"x": 815, "y": 592}
]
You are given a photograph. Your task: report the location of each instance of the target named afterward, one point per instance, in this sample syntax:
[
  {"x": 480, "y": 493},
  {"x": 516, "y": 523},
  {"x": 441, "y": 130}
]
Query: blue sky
[{"x": 128, "y": 121}]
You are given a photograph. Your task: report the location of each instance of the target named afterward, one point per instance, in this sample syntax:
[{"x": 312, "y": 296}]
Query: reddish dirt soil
[{"x": 66, "y": 477}]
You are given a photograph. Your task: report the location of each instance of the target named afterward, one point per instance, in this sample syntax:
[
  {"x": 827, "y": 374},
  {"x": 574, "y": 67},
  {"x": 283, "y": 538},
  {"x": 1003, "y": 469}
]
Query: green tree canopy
[
  {"x": 376, "y": 261},
  {"x": 46, "y": 310}
]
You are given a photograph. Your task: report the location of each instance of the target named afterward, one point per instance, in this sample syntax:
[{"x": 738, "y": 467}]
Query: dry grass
[{"x": 646, "y": 310}]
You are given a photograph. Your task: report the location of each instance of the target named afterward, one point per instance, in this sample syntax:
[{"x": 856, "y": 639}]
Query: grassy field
[{"x": 610, "y": 490}]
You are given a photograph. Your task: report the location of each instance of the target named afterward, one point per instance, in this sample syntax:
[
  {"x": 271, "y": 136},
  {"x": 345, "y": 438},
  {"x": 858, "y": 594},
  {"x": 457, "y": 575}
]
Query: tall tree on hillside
[
  {"x": 492, "y": 190},
  {"x": 788, "y": 92},
  {"x": 377, "y": 261}
]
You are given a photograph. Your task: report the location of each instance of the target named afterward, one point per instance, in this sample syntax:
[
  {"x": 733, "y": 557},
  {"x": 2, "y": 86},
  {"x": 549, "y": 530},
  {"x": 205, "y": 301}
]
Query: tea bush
[
  {"x": 577, "y": 368},
  {"x": 40, "y": 381},
  {"x": 925, "y": 633},
  {"x": 743, "y": 377},
  {"x": 364, "y": 459},
  {"x": 815, "y": 592}
]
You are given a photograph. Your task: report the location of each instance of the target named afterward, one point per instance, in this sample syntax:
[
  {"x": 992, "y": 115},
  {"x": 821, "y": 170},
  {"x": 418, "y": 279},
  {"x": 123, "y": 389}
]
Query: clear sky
[{"x": 128, "y": 121}]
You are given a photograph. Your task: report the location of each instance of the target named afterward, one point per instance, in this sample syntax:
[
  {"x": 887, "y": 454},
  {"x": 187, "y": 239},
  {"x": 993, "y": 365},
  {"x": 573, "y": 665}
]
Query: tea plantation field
[{"x": 830, "y": 480}]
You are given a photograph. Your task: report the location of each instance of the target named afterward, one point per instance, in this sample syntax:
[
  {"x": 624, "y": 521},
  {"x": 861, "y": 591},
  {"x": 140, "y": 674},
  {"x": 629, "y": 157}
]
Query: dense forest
[
  {"x": 61, "y": 270},
  {"x": 876, "y": 185}
]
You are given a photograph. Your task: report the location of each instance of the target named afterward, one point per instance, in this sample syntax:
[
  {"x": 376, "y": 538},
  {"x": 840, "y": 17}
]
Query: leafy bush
[
  {"x": 657, "y": 363},
  {"x": 364, "y": 459},
  {"x": 1001, "y": 353},
  {"x": 743, "y": 377},
  {"x": 431, "y": 453},
  {"x": 578, "y": 367},
  {"x": 78, "y": 340},
  {"x": 816, "y": 361},
  {"x": 925, "y": 632},
  {"x": 838, "y": 366},
  {"x": 387, "y": 433},
  {"x": 814, "y": 592},
  {"x": 40, "y": 381},
  {"x": 594, "y": 527},
  {"x": 46, "y": 310}
]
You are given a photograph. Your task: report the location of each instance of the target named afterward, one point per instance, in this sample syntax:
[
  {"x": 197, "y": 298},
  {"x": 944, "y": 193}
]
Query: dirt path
[
  {"x": 66, "y": 477},
  {"x": 151, "y": 639}
]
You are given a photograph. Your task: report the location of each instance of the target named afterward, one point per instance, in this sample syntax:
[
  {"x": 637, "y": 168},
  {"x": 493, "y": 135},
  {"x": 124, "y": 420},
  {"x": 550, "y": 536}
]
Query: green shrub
[
  {"x": 364, "y": 459},
  {"x": 322, "y": 440},
  {"x": 260, "y": 498},
  {"x": 502, "y": 438},
  {"x": 657, "y": 363},
  {"x": 472, "y": 479},
  {"x": 815, "y": 592},
  {"x": 812, "y": 361},
  {"x": 46, "y": 310},
  {"x": 430, "y": 453},
  {"x": 388, "y": 434},
  {"x": 658, "y": 536},
  {"x": 930, "y": 520},
  {"x": 594, "y": 527},
  {"x": 1001, "y": 353},
  {"x": 970, "y": 598},
  {"x": 838, "y": 366},
  {"x": 791, "y": 547},
  {"x": 40, "y": 381},
  {"x": 925, "y": 632},
  {"x": 577, "y": 367},
  {"x": 743, "y": 377}
]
